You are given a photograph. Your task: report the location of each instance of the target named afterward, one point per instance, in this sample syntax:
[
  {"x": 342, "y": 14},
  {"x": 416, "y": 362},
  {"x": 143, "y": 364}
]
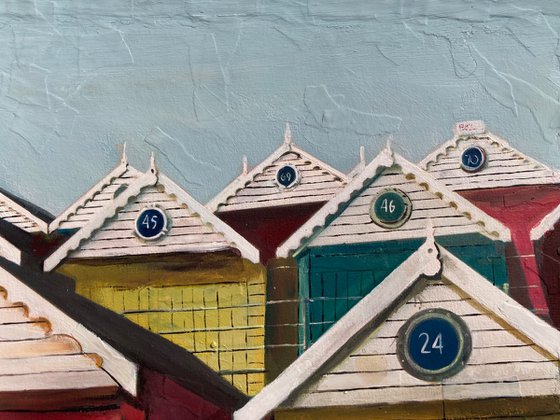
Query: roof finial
[
  {"x": 124, "y": 160},
  {"x": 288, "y": 134},
  {"x": 430, "y": 234},
  {"x": 432, "y": 266},
  {"x": 362, "y": 155},
  {"x": 388, "y": 144},
  {"x": 153, "y": 167},
  {"x": 245, "y": 166}
]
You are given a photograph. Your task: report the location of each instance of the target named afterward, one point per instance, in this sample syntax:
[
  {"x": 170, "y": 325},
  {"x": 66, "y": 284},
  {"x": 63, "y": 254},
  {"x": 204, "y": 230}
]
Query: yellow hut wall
[{"x": 211, "y": 305}]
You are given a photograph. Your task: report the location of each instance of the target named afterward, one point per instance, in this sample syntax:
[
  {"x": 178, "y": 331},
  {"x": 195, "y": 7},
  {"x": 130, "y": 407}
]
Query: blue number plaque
[
  {"x": 473, "y": 159},
  {"x": 151, "y": 223},
  {"x": 434, "y": 344},
  {"x": 287, "y": 176}
]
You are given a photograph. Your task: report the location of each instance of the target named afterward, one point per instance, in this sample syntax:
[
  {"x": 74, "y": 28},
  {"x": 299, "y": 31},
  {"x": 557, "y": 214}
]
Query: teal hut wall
[{"x": 334, "y": 278}]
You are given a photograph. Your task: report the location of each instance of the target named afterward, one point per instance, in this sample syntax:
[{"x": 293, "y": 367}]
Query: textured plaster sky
[{"x": 204, "y": 82}]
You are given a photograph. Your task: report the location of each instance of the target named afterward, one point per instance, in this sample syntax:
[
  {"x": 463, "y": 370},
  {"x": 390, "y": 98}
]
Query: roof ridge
[
  {"x": 115, "y": 173},
  {"x": 147, "y": 179}
]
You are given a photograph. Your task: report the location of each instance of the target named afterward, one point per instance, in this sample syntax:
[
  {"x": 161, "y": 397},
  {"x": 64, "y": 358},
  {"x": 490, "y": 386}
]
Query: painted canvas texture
[{"x": 246, "y": 210}]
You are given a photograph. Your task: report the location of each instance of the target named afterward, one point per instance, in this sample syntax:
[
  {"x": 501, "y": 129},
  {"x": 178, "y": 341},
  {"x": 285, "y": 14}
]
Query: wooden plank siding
[
  {"x": 36, "y": 362},
  {"x": 18, "y": 219},
  {"x": 339, "y": 276},
  {"x": 317, "y": 184},
  {"x": 503, "y": 364},
  {"x": 354, "y": 224},
  {"x": 187, "y": 231},
  {"x": 92, "y": 205},
  {"x": 504, "y": 167},
  {"x": 210, "y": 305}
]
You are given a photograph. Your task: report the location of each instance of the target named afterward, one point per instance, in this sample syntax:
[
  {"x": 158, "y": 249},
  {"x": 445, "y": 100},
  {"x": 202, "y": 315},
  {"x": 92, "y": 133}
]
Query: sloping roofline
[
  {"x": 385, "y": 159},
  {"x": 460, "y": 135},
  {"x": 150, "y": 177},
  {"x": 133, "y": 342},
  {"x": 88, "y": 195},
  {"x": 35, "y": 213},
  {"x": 429, "y": 260},
  {"x": 546, "y": 224},
  {"x": 246, "y": 177},
  {"x": 118, "y": 366}
]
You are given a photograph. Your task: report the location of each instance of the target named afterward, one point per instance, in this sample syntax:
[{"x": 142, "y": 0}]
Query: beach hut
[
  {"x": 509, "y": 186},
  {"x": 152, "y": 253},
  {"x": 435, "y": 340},
  {"x": 272, "y": 200},
  {"x": 374, "y": 224}
]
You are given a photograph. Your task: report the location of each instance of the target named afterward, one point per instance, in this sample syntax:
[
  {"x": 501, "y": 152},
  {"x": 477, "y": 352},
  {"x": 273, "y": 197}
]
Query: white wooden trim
[
  {"x": 423, "y": 262},
  {"x": 115, "y": 363},
  {"x": 237, "y": 241},
  {"x": 152, "y": 177},
  {"x": 42, "y": 225},
  {"x": 442, "y": 151},
  {"x": 148, "y": 178},
  {"x": 546, "y": 224},
  {"x": 9, "y": 251},
  {"x": 245, "y": 178},
  {"x": 96, "y": 189},
  {"x": 497, "y": 302},
  {"x": 386, "y": 158}
]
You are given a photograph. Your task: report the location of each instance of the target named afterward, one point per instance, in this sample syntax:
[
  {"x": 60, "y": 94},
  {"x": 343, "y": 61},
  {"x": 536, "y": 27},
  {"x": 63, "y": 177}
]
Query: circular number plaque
[
  {"x": 287, "y": 176},
  {"x": 473, "y": 159},
  {"x": 434, "y": 344},
  {"x": 390, "y": 208},
  {"x": 151, "y": 223}
]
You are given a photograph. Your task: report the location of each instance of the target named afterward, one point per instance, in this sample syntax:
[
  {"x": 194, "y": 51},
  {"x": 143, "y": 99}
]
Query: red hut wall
[
  {"x": 548, "y": 260},
  {"x": 267, "y": 228},
  {"x": 520, "y": 209},
  {"x": 160, "y": 399},
  {"x": 164, "y": 399}
]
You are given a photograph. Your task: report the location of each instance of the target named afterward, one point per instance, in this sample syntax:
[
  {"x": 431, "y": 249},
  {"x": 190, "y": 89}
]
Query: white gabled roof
[
  {"x": 546, "y": 224},
  {"x": 17, "y": 214},
  {"x": 258, "y": 189},
  {"x": 429, "y": 260},
  {"x": 90, "y": 204},
  {"x": 358, "y": 227},
  {"x": 505, "y": 166},
  {"x": 57, "y": 356},
  {"x": 111, "y": 232}
]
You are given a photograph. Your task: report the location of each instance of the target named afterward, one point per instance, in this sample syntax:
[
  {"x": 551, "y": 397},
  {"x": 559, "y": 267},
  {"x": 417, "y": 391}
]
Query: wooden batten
[
  {"x": 98, "y": 197},
  {"x": 282, "y": 305},
  {"x": 353, "y": 370}
]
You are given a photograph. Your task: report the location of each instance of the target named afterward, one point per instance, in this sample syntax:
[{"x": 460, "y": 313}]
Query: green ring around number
[
  {"x": 463, "y": 354},
  {"x": 390, "y": 208}
]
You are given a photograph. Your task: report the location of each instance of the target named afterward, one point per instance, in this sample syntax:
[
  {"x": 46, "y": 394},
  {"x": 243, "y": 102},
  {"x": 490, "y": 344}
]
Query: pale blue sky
[{"x": 204, "y": 82}]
